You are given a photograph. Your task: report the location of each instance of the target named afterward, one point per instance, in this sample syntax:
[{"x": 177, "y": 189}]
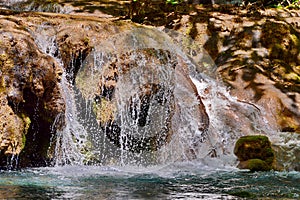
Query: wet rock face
[
  {"x": 259, "y": 60},
  {"x": 12, "y": 129},
  {"x": 29, "y": 92},
  {"x": 136, "y": 97},
  {"x": 261, "y": 64},
  {"x": 254, "y": 153}
]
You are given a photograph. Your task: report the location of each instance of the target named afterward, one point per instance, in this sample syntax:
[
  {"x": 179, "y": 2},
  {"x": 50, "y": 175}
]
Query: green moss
[
  {"x": 23, "y": 141},
  {"x": 86, "y": 41},
  {"x": 292, "y": 77},
  {"x": 27, "y": 122},
  {"x": 89, "y": 156},
  {"x": 274, "y": 33},
  {"x": 277, "y": 51},
  {"x": 252, "y": 138},
  {"x": 104, "y": 110},
  {"x": 295, "y": 39},
  {"x": 151, "y": 52},
  {"x": 189, "y": 28},
  {"x": 258, "y": 165}
]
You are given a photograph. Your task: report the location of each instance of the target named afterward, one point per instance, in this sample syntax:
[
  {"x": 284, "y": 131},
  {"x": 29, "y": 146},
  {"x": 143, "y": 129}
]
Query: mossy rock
[
  {"x": 255, "y": 165},
  {"x": 256, "y": 150},
  {"x": 258, "y": 165}
]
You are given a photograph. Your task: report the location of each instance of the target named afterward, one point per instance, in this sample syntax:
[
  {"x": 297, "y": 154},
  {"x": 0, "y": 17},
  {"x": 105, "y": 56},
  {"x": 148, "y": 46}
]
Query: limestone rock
[
  {"x": 29, "y": 83},
  {"x": 260, "y": 64},
  {"x": 257, "y": 58},
  {"x": 31, "y": 76},
  {"x": 12, "y": 130}
]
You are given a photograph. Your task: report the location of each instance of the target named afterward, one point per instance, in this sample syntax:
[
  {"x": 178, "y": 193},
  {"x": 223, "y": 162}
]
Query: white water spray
[{"x": 84, "y": 141}]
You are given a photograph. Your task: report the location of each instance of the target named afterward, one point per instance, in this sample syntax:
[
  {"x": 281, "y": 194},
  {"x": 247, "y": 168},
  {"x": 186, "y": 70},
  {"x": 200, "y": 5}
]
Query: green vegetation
[
  {"x": 285, "y": 4},
  {"x": 173, "y": 2}
]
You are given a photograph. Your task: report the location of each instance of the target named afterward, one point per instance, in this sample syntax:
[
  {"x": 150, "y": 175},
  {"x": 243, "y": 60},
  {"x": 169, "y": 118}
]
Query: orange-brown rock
[{"x": 30, "y": 91}]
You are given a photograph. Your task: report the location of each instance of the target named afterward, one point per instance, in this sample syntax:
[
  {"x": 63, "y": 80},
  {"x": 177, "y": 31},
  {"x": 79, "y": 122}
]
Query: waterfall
[
  {"x": 229, "y": 117},
  {"x": 135, "y": 101},
  {"x": 147, "y": 79},
  {"x": 71, "y": 140}
]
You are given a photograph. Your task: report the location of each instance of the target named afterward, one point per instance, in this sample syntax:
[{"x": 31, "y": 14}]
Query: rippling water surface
[{"x": 176, "y": 181}]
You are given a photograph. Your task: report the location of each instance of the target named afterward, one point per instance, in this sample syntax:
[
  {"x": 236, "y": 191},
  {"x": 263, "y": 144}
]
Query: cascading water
[
  {"x": 135, "y": 101},
  {"x": 146, "y": 105},
  {"x": 134, "y": 126},
  {"x": 69, "y": 141},
  {"x": 133, "y": 88}
]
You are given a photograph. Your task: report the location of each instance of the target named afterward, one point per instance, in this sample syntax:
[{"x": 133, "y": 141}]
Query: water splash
[
  {"x": 69, "y": 141},
  {"x": 157, "y": 105},
  {"x": 118, "y": 111},
  {"x": 150, "y": 71}
]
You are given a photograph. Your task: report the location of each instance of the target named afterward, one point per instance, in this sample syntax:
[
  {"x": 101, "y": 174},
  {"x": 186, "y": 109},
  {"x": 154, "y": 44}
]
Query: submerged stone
[{"x": 254, "y": 165}]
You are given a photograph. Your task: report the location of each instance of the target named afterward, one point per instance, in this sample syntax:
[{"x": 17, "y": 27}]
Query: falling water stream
[
  {"x": 84, "y": 140},
  {"x": 190, "y": 160}
]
